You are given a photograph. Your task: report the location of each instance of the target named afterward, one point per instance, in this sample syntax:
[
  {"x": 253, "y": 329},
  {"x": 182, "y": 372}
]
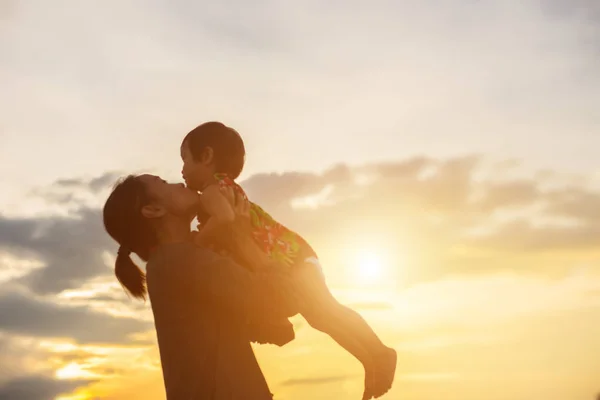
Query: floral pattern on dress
[{"x": 277, "y": 241}]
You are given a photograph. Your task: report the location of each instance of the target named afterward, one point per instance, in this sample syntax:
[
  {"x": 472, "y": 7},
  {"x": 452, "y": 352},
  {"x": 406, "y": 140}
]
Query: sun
[{"x": 369, "y": 267}]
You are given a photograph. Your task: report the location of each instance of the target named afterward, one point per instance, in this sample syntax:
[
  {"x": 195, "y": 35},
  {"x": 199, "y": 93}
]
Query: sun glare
[
  {"x": 72, "y": 371},
  {"x": 370, "y": 267}
]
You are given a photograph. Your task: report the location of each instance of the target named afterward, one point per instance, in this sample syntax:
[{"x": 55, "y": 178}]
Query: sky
[{"x": 440, "y": 156}]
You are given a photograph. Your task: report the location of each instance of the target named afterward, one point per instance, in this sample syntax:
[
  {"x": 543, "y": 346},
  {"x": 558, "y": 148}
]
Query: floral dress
[{"x": 277, "y": 241}]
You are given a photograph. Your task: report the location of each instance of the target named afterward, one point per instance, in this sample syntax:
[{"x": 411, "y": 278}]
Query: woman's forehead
[{"x": 147, "y": 178}]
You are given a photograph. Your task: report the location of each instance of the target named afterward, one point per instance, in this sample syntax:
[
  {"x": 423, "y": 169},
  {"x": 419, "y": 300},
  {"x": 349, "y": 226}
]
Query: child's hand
[{"x": 239, "y": 202}]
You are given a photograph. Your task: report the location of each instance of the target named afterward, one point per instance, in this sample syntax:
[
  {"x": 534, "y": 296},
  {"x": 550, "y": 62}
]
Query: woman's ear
[
  {"x": 207, "y": 155},
  {"x": 153, "y": 211}
]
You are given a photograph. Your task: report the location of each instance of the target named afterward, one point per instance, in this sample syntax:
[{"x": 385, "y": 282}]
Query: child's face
[{"x": 196, "y": 173}]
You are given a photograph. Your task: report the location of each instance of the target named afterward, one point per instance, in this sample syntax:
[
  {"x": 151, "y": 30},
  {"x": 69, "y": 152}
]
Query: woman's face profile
[{"x": 173, "y": 198}]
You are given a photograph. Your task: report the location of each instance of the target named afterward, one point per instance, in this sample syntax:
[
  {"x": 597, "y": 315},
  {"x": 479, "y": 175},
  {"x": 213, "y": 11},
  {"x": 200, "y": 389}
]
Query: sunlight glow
[
  {"x": 370, "y": 267},
  {"x": 76, "y": 396},
  {"x": 73, "y": 371}
]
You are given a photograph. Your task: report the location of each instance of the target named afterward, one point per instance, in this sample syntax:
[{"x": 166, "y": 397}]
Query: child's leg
[{"x": 324, "y": 313}]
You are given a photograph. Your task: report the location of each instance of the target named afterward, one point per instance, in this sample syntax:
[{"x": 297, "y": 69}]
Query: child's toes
[
  {"x": 386, "y": 372},
  {"x": 370, "y": 384}
]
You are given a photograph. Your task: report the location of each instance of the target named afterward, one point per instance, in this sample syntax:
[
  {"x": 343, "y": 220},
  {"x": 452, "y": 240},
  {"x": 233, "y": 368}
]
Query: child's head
[{"x": 208, "y": 149}]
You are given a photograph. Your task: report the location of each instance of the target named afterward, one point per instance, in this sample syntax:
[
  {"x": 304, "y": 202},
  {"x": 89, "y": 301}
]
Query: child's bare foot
[
  {"x": 386, "y": 370},
  {"x": 370, "y": 382}
]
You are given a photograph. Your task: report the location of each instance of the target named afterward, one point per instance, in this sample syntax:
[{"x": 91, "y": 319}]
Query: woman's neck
[{"x": 170, "y": 230}]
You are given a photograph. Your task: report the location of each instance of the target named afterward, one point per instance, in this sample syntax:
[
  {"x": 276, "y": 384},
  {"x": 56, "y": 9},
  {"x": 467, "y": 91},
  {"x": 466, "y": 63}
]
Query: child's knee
[{"x": 322, "y": 317}]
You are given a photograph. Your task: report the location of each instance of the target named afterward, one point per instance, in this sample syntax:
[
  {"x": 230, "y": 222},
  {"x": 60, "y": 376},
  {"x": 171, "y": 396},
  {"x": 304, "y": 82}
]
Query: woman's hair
[
  {"x": 228, "y": 147},
  {"x": 124, "y": 222}
]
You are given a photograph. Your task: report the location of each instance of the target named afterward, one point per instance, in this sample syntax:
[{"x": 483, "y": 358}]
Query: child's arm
[
  {"x": 233, "y": 235},
  {"x": 221, "y": 214}
]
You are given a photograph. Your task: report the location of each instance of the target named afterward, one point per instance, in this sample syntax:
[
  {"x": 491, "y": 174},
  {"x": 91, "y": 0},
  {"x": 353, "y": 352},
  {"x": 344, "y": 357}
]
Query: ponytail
[
  {"x": 130, "y": 276},
  {"x": 125, "y": 223}
]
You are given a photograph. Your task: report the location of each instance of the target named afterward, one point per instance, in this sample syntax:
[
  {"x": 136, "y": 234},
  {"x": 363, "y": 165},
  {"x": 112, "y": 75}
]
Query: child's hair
[
  {"x": 124, "y": 222},
  {"x": 228, "y": 147}
]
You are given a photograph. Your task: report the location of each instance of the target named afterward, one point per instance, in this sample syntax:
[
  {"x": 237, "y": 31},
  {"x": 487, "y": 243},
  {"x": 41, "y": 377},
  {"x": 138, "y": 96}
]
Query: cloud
[
  {"x": 95, "y": 184},
  {"x": 38, "y": 388},
  {"x": 28, "y": 369},
  {"x": 452, "y": 215},
  {"x": 464, "y": 192},
  {"x": 447, "y": 216},
  {"x": 74, "y": 193},
  {"x": 25, "y": 315},
  {"x": 435, "y": 218},
  {"x": 19, "y": 357},
  {"x": 70, "y": 247},
  {"x": 321, "y": 83},
  {"x": 429, "y": 212}
]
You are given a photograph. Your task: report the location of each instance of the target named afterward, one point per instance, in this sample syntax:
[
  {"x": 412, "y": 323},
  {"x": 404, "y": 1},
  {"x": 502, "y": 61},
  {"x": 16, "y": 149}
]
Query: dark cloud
[
  {"x": 435, "y": 202},
  {"x": 95, "y": 184},
  {"x": 70, "y": 247},
  {"x": 22, "y": 314},
  {"x": 315, "y": 380},
  {"x": 73, "y": 191},
  {"x": 38, "y": 388}
]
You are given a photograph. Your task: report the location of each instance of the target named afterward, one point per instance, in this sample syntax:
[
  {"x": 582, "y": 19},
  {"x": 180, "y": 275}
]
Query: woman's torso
[{"x": 203, "y": 352}]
